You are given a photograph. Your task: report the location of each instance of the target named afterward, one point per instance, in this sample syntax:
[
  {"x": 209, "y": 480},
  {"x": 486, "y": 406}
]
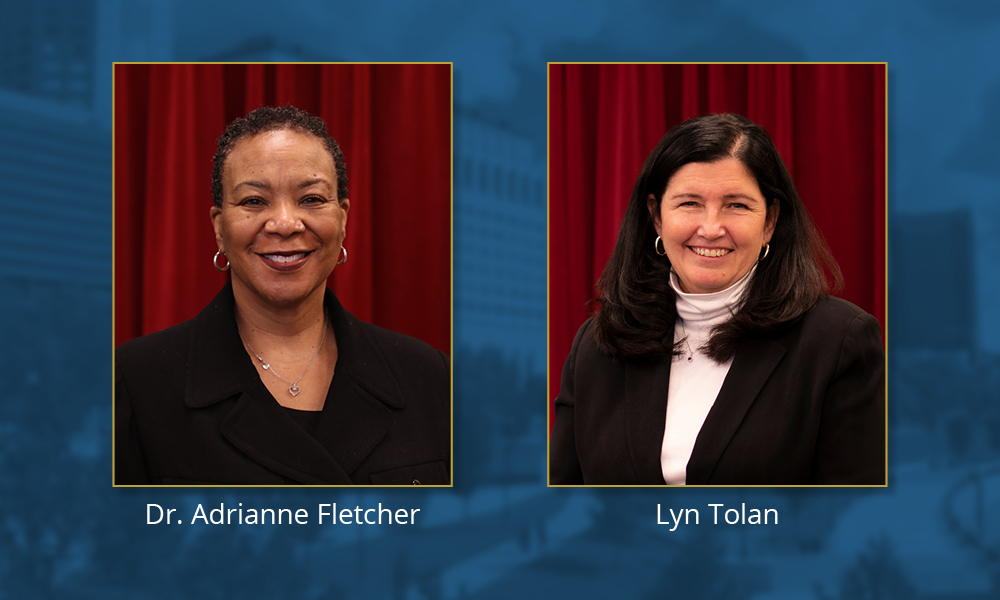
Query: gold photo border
[
  {"x": 548, "y": 275},
  {"x": 451, "y": 202}
]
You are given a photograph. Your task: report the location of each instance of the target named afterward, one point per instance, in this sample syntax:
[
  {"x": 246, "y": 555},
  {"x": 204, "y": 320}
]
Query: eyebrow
[
  {"x": 727, "y": 196},
  {"x": 260, "y": 185},
  {"x": 314, "y": 181}
]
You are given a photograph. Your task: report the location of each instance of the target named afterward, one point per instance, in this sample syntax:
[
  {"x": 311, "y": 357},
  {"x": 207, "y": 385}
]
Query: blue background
[{"x": 66, "y": 533}]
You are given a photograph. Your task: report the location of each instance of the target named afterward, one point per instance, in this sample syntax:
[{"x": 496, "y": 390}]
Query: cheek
[
  {"x": 239, "y": 230},
  {"x": 330, "y": 231},
  {"x": 757, "y": 235},
  {"x": 677, "y": 231}
]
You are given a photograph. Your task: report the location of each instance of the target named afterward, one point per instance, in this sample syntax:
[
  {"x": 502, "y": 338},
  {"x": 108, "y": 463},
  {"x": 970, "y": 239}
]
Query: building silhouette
[
  {"x": 500, "y": 241},
  {"x": 55, "y": 154}
]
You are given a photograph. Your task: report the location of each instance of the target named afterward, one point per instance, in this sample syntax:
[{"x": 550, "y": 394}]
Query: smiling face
[
  {"x": 713, "y": 221},
  {"x": 281, "y": 224}
]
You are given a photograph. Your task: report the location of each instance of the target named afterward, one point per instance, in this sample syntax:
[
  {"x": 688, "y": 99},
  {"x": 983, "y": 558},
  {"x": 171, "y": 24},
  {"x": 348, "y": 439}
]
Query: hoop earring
[
  {"x": 343, "y": 253},
  {"x": 215, "y": 262},
  {"x": 660, "y": 242},
  {"x": 767, "y": 248}
]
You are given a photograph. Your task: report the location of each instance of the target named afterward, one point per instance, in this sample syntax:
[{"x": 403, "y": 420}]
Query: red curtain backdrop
[
  {"x": 827, "y": 121},
  {"x": 393, "y": 123}
]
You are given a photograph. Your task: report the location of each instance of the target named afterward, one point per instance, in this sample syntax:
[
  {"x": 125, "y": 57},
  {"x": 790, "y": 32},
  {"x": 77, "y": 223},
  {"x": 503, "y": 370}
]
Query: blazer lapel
[
  {"x": 646, "y": 386},
  {"x": 364, "y": 389},
  {"x": 751, "y": 368},
  {"x": 351, "y": 424}
]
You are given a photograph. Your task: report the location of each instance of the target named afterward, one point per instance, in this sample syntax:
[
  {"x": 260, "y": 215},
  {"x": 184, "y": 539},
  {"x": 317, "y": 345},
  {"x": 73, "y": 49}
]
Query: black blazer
[
  {"x": 804, "y": 407},
  {"x": 190, "y": 408}
]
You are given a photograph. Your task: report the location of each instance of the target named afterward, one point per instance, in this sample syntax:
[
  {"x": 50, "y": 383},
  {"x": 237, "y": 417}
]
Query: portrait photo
[
  {"x": 717, "y": 274},
  {"x": 282, "y": 274}
]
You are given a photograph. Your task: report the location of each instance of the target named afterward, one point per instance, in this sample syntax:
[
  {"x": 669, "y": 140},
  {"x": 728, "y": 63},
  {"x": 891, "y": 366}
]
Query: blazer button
[{"x": 416, "y": 482}]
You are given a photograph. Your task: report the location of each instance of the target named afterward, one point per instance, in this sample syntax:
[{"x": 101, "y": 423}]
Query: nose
[
  {"x": 284, "y": 220},
  {"x": 711, "y": 226}
]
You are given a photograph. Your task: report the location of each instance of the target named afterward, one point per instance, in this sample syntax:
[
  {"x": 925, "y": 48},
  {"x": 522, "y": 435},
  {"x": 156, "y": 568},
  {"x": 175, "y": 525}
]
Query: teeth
[
  {"x": 281, "y": 258},
  {"x": 711, "y": 252}
]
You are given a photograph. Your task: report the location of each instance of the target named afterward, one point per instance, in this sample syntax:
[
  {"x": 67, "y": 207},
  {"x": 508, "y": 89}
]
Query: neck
[
  {"x": 290, "y": 340},
  {"x": 712, "y": 308},
  {"x": 256, "y": 317}
]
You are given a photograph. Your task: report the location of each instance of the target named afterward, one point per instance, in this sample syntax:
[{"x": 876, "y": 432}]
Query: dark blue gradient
[{"x": 500, "y": 533}]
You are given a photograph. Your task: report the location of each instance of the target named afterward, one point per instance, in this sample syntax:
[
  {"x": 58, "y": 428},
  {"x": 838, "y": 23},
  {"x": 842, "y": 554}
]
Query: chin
[
  {"x": 284, "y": 294},
  {"x": 707, "y": 286},
  {"x": 284, "y": 300},
  {"x": 294, "y": 295}
]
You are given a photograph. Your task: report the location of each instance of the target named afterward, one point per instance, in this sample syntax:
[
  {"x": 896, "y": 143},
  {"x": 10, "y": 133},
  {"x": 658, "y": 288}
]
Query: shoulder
[
  {"x": 585, "y": 335},
  {"x": 830, "y": 312},
  {"x": 153, "y": 368},
  {"x": 399, "y": 346},
  {"x": 150, "y": 372},
  {"x": 401, "y": 352},
  {"x": 836, "y": 308},
  {"x": 584, "y": 342},
  {"x": 380, "y": 354},
  {"x": 585, "y": 356},
  {"x": 833, "y": 321},
  {"x": 164, "y": 346}
]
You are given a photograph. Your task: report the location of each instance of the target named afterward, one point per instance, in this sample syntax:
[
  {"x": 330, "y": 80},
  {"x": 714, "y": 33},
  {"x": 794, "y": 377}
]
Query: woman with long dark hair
[{"x": 715, "y": 355}]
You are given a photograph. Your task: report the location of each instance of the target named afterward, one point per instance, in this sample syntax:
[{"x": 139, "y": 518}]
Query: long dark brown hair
[{"x": 636, "y": 307}]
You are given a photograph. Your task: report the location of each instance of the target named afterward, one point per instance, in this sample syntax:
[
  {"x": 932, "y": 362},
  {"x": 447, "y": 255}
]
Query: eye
[
  {"x": 313, "y": 200},
  {"x": 251, "y": 201},
  {"x": 739, "y": 205}
]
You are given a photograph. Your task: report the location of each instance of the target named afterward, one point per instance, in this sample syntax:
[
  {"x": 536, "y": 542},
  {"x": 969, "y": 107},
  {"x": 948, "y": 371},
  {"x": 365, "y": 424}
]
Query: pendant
[
  {"x": 293, "y": 390},
  {"x": 264, "y": 365}
]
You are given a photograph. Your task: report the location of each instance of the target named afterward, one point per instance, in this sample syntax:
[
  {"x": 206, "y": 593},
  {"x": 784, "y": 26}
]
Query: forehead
[
  {"x": 279, "y": 151},
  {"x": 719, "y": 176}
]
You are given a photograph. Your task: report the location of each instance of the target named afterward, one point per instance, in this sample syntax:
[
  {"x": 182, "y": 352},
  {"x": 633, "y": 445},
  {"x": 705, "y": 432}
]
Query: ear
[
  {"x": 653, "y": 206},
  {"x": 216, "y": 213},
  {"x": 772, "y": 219},
  {"x": 345, "y": 204}
]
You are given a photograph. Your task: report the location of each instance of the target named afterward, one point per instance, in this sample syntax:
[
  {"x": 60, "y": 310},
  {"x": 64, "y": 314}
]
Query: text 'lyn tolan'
[{"x": 731, "y": 516}]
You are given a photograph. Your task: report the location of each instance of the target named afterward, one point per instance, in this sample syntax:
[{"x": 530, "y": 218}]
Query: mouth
[
  {"x": 285, "y": 261},
  {"x": 710, "y": 252}
]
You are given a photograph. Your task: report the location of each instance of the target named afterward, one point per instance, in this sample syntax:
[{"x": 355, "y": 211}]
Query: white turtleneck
[{"x": 695, "y": 379}]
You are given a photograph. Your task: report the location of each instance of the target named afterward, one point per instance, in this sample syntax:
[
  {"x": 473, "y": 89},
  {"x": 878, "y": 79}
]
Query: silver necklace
[
  {"x": 293, "y": 387},
  {"x": 687, "y": 342}
]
